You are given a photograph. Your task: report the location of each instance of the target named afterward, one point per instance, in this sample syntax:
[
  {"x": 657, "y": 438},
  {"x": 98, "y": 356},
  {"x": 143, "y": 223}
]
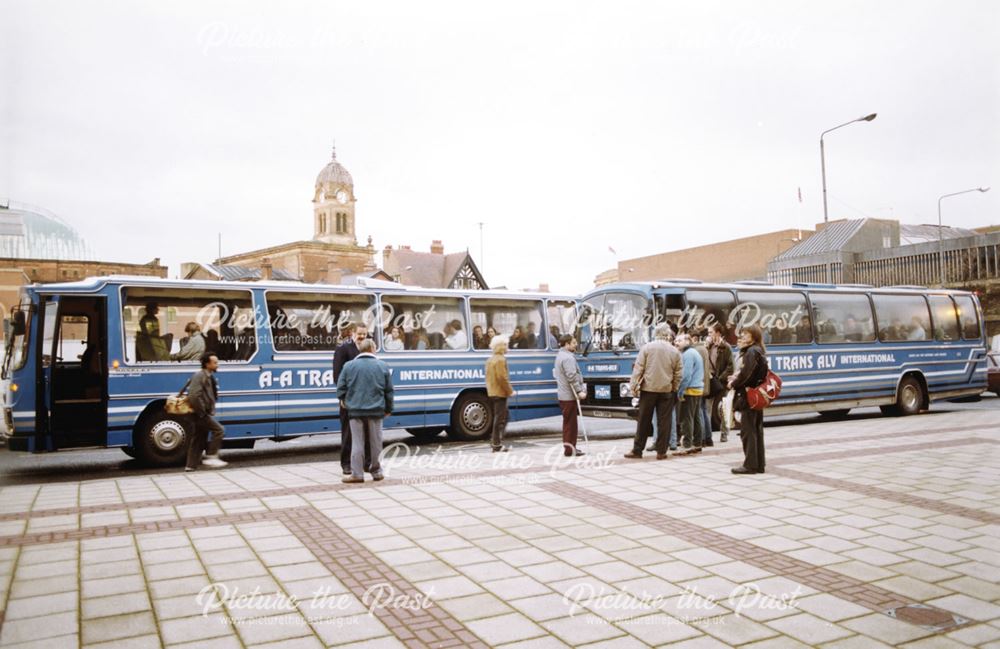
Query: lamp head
[
  {"x": 984, "y": 189},
  {"x": 868, "y": 118}
]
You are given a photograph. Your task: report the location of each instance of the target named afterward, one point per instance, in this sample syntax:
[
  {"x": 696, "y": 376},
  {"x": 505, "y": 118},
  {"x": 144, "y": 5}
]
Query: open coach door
[{"x": 72, "y": 391}]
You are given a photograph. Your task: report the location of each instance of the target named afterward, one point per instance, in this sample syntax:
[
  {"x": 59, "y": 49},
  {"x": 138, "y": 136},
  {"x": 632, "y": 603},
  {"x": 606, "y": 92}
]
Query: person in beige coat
[
  {"x": 656, "y": 377},
  {"x": 498, "y": 389}
]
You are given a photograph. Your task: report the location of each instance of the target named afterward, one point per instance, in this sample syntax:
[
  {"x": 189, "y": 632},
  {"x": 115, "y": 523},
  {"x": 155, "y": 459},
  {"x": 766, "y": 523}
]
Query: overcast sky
[{"x": 567, "y": 128}]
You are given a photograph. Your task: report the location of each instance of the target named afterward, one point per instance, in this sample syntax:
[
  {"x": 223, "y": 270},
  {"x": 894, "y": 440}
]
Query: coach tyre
[
  {"x": 162, "y": 439},
  {"x": 910, "y": 397},
  {"x": 471, "y": 418}
]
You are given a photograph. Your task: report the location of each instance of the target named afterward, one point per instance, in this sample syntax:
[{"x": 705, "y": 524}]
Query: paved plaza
[{"x": 865, "y": 533}]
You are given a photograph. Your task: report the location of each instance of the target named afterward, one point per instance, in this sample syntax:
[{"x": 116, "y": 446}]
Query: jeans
[
  {"x": 499, "y": 421},
  {"x": 366, "y": 435},
  {"x": 690, "y": 420},
  {"x": 706, "y": 422},
  {"x": 673, "y": 428},
  {"x": 203, "y": 425}
]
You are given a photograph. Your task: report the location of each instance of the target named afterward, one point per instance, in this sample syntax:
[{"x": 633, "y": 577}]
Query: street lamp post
[
  {"x": 822, "y": 163},
  {"x": 940, "y": 227}
]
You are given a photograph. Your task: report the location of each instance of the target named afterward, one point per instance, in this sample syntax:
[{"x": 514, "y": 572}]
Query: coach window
[
  {"x": 902, "y": 317},
  {"x": 519, "y": 320},
  {"x": 626, "y": 320},
  {"x": 427, "y": 322},
  {"x": 782, "y": 315},
  {"x": 945, "y": 318},
  {"x": 969, "y": 316},
  {"x": 705, "y": 308},
  {"x": 309, "y": 322},
  {"x": 842, "y": 317},
  {"x": 225, "y": 320},
  {"x": 563, "y": 318}
]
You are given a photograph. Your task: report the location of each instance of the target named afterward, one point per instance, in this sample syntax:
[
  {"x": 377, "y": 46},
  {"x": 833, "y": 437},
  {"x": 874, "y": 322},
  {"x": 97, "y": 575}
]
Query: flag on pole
[
  {"x": 612, "y": 250},
  {"x": 800, "y": 194}
]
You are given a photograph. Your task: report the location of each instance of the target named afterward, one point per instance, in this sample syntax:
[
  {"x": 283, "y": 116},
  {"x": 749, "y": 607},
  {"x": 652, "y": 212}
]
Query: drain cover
[{"x": 926, "y": 616}]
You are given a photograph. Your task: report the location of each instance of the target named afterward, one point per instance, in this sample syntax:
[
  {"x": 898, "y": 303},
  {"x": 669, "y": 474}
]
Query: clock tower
[{"x": 333, "y": 204}]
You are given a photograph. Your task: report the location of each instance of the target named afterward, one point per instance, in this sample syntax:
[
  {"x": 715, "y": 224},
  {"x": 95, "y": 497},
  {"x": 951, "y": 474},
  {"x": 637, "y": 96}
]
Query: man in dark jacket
[
  {"x": 203, "y": 392},
  {"x": 365, "y": 385},
  {"x": 346, "y": 353},
  {"x": 720, "y": 362}
]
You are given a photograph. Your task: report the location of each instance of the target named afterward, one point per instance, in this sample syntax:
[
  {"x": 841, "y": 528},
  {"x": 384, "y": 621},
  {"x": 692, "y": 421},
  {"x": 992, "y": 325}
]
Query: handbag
[
  {"x": 761, "y": 396},
  {"x": 179, "y": 404}
]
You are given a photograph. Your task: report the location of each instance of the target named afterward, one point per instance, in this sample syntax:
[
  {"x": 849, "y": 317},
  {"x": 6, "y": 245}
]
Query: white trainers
[{"x": 213, "y": 461}]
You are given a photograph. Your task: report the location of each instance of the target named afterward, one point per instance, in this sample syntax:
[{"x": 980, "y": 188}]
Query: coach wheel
[
  {"x": 909, "y": 397},
  {"x": 839, "y": 413},
  {"x": 425, "y": 434},
  {"x": 471, "y": 418},
  {"x": 162, "y": 439}
]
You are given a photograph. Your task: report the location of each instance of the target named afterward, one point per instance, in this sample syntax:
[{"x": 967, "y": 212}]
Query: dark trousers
[
  {"x": 752, "y": 435},
  {"x": 499, "y": 421},
  {"x": 203, "y": 425},
  {"x": 569, "y": 429},
  {"x": 689, "y": 421},
  {"x": 660, "y": 404},
  {"x": 346, "y": 444}
]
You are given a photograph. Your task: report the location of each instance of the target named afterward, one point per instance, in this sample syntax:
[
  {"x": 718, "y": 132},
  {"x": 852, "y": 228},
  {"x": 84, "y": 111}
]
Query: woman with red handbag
[{"x": 753, "y": 371}]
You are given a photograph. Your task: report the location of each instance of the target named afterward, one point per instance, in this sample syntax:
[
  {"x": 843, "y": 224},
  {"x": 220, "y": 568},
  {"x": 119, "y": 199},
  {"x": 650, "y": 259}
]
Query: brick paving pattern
[
  {"x": 932, "y": 549},
  {"x": 821, "y": 579}
]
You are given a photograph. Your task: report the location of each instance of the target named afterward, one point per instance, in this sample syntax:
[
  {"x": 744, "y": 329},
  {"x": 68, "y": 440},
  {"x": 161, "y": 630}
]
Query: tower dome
[
  {"x": 334, "y": 173},
  {"x": 29, "y": 232}
]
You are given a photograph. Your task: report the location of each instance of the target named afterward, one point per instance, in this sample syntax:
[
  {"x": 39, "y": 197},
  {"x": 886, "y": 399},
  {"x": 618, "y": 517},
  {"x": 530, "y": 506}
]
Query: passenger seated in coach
[
  {"x": 530, "y": 337},
  {"x": 479, "y": 340},
  {"x": 420, "y": 339},
  {"x": 516, "y": 340},
  {"x": 394, "y": 340},
  {"x": 554, "y": 337},
  {"x": 454, "y": 337},
  {"x": 852, "y": 330},
  {"x": 917, "y": 330},
  {"x": 895, "y": 331},
  {"x": 780, "y": 335}
]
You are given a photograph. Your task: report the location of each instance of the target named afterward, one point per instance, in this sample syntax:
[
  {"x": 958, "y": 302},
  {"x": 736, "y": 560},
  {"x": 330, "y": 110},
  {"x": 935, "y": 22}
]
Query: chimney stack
[
  {"x": 266, "y": 269},
  {"x": 437, "y": 247}
]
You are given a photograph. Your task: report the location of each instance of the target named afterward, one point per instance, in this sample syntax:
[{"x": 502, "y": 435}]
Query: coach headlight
[{"x": 625, "y": 391}]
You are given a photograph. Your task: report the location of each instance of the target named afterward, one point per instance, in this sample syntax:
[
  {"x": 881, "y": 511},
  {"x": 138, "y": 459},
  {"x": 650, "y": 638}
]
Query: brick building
[
  {"x": 744, "y": 258},
  {"x": 433, "y": 269}
]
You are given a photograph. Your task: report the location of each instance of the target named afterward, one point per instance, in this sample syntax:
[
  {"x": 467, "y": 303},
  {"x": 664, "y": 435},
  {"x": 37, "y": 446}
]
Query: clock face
[{"x": 341, "y": 196}]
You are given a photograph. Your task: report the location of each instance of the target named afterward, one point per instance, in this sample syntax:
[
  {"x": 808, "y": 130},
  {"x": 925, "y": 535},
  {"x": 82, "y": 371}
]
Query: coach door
[{"x": 74, "y": 371}]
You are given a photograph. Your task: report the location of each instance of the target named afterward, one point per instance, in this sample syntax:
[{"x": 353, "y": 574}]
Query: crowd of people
[{"x": 679, "y": 378}]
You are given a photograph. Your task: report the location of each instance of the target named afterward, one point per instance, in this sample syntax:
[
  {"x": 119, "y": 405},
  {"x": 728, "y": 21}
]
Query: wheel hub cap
[
  {"x": 474, "y": 416},
  {"x": 167, "y": 435}
]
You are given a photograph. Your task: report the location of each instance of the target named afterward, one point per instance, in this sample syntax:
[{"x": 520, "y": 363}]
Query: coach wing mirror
[{"x": 15, "y": 325}]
